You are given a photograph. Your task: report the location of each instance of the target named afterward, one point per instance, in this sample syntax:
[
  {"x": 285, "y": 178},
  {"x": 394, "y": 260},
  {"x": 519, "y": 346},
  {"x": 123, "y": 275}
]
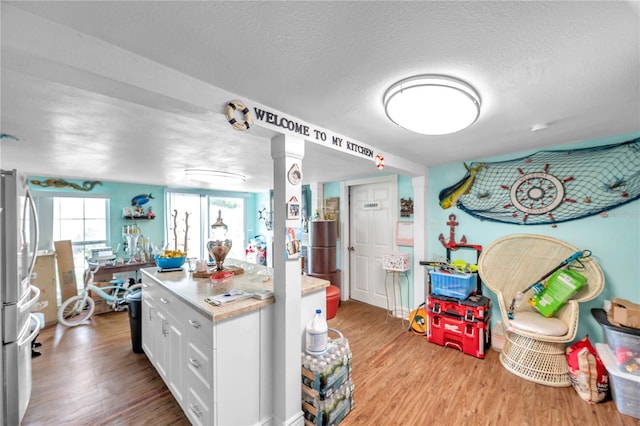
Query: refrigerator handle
[
  {"x": 36, "y": 232},
  {"x": 27, "y": 306}
]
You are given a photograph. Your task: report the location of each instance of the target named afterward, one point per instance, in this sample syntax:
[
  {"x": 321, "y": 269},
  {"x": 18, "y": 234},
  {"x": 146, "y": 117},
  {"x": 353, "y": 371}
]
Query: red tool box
[
  {"x": 470, "y": 337},
  {"x": 474, "y": 307}
]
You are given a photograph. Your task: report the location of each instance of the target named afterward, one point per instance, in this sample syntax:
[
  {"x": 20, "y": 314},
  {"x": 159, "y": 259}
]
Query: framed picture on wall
[
  {"x": 293, "y": 209},
  {"x": 404, "y": 233}
]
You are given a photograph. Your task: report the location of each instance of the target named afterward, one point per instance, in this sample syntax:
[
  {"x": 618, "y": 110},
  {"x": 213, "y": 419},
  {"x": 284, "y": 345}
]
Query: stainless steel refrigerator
[{"x": 19, "y": 236}]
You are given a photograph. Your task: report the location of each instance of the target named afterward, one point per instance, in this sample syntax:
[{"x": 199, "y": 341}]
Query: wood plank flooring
[{"x": 88, "y": 375}]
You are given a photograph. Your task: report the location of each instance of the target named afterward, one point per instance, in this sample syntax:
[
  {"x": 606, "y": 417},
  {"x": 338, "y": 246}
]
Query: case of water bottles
[
  {"x": 330, "y": 411},
  {"x": 327, "y": 388}
]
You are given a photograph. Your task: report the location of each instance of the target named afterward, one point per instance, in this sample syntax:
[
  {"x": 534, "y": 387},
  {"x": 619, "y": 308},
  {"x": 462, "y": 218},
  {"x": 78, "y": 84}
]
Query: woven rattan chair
[{"x": 509, "y": 265}]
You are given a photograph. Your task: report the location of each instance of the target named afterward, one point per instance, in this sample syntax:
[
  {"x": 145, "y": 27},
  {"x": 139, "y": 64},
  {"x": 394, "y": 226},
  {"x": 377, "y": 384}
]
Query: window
[
  {"x": 84, "y": 221},
  {"x": 184, "y": 216},
  {"x": 199, "y": 212},
  {"x": 232, "y": 211}
]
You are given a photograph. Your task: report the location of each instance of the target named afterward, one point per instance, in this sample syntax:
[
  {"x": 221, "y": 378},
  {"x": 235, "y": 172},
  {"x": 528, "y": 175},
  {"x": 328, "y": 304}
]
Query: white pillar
[
  {"x": 419, "y": 237},
  {"x": 286, "y": 151}
]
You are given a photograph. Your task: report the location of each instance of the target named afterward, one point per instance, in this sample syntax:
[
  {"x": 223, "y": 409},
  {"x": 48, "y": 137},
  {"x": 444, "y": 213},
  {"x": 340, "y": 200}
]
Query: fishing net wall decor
[{"x": 549, "y": 187}]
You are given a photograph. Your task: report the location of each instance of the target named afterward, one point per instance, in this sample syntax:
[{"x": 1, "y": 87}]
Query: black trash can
[{"x": 134, "y": 305}]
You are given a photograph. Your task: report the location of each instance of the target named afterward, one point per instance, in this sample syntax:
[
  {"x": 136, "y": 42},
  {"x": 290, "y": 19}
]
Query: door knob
[{"x": 351, "y": 248}]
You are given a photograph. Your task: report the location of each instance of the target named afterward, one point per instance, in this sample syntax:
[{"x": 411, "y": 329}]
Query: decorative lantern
[{"x": 220, "y": 245}]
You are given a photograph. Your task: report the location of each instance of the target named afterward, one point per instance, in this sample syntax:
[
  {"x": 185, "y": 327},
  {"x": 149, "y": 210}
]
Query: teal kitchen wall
[
  {"x": 614, "y": 239},
  {"x": 120, "y": 195},
  {"x": 405, "y": 190}
]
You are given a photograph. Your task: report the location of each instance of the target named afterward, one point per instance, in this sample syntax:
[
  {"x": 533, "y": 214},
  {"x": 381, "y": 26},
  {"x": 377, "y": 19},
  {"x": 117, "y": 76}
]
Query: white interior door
[{"x": 372, "y": 210}]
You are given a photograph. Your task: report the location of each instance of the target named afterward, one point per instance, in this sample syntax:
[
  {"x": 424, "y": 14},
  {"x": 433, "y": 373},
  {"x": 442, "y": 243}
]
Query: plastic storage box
[
  {"x": 396, "y": 262},
  {"x": 459, "y": 286},
  {"x": 625, "y": 388},
  {"x": 623, "y": 341},
  {"x": 470, "y": 337},
  {"x": 473, "y": 308}
]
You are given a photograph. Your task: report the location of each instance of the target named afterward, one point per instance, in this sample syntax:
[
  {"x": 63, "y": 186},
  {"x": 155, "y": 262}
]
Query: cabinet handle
[
  {"x": 164, "y": 329},
  {"x": 195, "y": 409},
  {"x": 163, "y": 300},
  {"x": 195, "y": 323},
  {"x": 194, "y": 362},
  {"x": 145, "y": 285},
  {"x": 150, "y": 314}
]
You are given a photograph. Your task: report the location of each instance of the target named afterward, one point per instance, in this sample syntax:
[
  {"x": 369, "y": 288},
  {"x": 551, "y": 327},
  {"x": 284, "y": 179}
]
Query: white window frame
[{"x": 205, "y": 223}]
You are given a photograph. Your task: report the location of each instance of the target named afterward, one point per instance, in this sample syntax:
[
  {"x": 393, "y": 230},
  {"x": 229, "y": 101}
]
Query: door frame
[{"x": 345, "y": 292}]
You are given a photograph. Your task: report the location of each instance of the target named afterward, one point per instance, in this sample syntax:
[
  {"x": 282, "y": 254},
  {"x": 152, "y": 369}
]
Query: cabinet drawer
[
  {"x": 198, "y": 408},
  {"x": 199, "y": 366},
  {"x": 198, "y": 328},
  {"x": 157, "y": 292}
]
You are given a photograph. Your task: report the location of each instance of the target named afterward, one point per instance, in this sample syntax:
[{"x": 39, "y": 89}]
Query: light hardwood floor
[{"x": 89, "y": 375}]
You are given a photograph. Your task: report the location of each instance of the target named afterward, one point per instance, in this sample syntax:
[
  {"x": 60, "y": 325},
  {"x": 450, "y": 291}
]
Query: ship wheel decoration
[{"x": 537, "y": 193}]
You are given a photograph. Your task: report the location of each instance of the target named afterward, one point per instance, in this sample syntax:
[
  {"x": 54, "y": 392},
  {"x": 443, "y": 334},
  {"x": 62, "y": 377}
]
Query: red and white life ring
[{"x": 229, "y": 113}]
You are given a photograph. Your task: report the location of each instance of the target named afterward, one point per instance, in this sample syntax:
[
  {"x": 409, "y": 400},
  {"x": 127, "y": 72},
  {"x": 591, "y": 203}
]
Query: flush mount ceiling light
[
  {"x": 217, "y": 176},
  {"x": 432, "y": 104}
]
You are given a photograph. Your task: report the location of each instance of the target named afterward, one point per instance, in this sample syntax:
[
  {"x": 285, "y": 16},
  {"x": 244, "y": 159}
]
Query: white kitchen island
[{"x": 217, "y": 360}]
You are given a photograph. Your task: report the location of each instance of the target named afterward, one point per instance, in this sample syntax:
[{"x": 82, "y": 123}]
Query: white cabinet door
[
  {"x": 149, "y": 328},
  {"x": 176, "y": 350},
  {"x": 162, "y": 325}
]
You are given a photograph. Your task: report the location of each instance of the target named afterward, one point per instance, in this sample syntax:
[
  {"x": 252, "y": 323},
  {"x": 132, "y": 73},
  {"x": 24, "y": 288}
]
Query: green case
[{"x": 560, "y": 287}]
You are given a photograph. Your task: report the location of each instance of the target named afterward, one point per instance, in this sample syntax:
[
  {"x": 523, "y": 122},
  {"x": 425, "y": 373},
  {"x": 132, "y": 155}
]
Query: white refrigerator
[{"x": 19, "y": 236}]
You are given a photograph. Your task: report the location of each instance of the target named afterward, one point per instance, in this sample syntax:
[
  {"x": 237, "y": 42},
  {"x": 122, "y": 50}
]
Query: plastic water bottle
[{"x": 317, "y": 334}]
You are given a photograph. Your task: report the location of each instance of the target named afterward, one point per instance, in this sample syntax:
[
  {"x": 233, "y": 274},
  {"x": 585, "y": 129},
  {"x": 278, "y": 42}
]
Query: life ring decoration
[
  {"x": 229, "y": 113},
  {"x": 294, "y": 175}
]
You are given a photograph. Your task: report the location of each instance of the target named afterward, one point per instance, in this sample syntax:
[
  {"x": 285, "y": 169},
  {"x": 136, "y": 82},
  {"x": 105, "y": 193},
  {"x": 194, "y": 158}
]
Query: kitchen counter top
[{"x": 194, "y": 290}]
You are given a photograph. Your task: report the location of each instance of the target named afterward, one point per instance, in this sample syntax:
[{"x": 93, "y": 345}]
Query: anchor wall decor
[{"x": 452, "y": 244}]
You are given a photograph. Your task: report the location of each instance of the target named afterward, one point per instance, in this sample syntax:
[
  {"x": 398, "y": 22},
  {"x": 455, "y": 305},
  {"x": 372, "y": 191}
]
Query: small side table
[{"x": 393, "y": 310}]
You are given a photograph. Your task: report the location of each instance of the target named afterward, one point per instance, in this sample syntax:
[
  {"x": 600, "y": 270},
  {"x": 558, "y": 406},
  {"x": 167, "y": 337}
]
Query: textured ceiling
[{"x": 133, "y": 91}]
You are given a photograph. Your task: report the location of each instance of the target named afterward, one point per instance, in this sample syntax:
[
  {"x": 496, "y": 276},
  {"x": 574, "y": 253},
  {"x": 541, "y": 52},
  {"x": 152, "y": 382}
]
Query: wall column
[
  {"x": 419, "y": 237},
  {"x": 286, "y": 151}
]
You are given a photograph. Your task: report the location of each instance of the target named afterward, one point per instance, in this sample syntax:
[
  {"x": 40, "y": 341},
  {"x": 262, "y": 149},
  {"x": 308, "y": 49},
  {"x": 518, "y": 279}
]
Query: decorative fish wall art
[
  {"x": 549, "y": 187},
  {"x": 141, "y": 199},
  {"x": 87, "y": 185}
]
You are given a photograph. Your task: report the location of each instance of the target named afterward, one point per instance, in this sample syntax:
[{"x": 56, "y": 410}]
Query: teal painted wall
[
  {"x": 614, "y": 240},
  {"x": 405, "y": 190},
  {"x": 120, "y": 195}
]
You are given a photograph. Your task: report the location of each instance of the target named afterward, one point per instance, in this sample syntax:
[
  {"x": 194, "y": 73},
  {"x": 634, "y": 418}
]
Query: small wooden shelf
[{"x": 137, "y": 218}]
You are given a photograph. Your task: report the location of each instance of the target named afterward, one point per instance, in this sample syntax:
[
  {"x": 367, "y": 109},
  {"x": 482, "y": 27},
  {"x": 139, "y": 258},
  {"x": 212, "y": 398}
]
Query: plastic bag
[{"x": 587, "y": 372}]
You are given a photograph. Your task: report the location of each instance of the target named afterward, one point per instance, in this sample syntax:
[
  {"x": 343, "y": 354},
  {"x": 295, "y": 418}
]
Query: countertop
[{"x": 194, "y": 290}]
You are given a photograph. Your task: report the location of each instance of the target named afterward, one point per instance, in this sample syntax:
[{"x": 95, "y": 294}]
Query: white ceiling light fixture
[
  {"x": 217, "y": 176},
  {"x": 432, "y": 104}
]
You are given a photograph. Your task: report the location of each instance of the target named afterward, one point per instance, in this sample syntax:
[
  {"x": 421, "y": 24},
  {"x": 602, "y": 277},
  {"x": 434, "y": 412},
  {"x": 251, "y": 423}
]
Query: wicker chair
[{"x": 510, "y": 264}]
